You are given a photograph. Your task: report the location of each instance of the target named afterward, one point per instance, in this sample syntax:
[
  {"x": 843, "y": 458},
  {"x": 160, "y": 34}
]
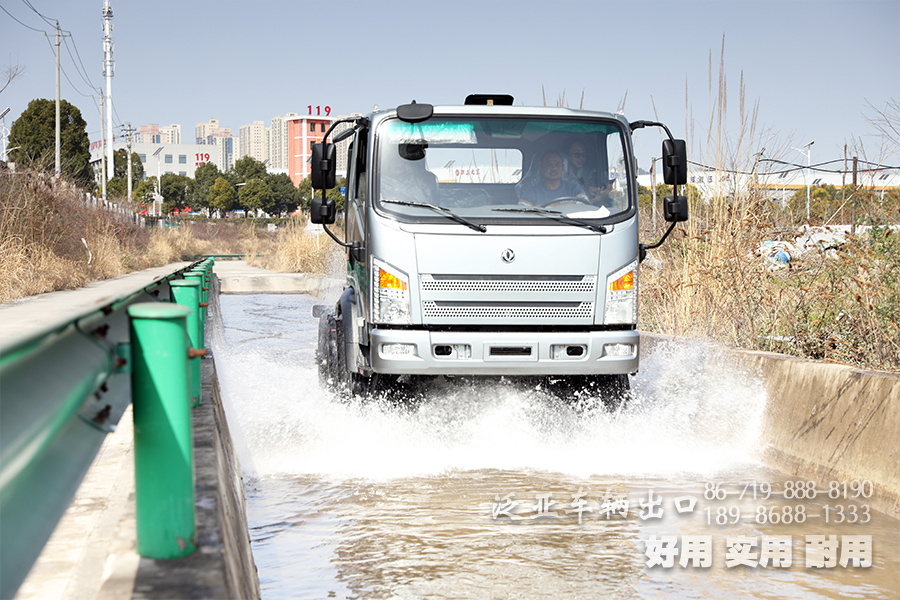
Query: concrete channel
[{"x": 841, "y": 424}]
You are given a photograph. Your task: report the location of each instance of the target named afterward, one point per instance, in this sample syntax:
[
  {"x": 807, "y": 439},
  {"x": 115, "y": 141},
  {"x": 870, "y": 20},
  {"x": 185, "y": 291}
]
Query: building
[
  {"x": 279, "y": 146},
  {"x": 148, "y": 134},
  {"x": 226, "y": 148},
  {"x": 203, "y": 131},
  {"x": 255, "y": 141},
  {"x": 161, "y": 159},
  {"x": 303, "y": 132},
  {"x": 170, "y": 134}
]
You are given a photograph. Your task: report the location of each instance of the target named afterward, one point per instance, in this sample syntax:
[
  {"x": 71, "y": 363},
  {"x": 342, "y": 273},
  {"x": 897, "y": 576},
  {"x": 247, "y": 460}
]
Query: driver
[{"x": 551, "y": 185}]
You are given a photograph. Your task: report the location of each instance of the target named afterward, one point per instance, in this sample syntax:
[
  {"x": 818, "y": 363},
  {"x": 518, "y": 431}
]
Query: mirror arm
[
  {"x": 352, "y": 245},
  {"x": 645, "y": 247}
]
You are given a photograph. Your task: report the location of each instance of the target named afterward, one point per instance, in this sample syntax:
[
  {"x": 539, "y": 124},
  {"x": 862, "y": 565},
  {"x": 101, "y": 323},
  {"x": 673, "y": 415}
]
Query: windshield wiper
[
  {"x": 444, "y": 211},
  {"x": 555, "y": 214}
]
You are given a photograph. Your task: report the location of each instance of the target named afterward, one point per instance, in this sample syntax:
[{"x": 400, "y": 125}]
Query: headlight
[
  {"x": 391, "y": 296},
  {"x": 621, "y": 295}
]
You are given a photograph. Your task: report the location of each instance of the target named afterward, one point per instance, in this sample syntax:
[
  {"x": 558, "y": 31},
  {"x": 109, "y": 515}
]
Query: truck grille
[
  {"x": 508, "y": 310},
  {"x": 505, "y": 283}
]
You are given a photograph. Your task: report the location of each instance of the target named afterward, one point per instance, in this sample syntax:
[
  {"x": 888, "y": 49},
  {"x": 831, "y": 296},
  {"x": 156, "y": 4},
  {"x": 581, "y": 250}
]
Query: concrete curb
[
  {"x": 827, "y": 422},
  {"x": 279, "y": 283}
]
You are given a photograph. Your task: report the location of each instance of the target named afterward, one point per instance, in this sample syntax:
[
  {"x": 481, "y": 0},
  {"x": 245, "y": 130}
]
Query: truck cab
[{"x": 486, "y": 239}]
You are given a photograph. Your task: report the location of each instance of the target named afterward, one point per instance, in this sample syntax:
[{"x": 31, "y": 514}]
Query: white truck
[{"x": 487, "y": 240}]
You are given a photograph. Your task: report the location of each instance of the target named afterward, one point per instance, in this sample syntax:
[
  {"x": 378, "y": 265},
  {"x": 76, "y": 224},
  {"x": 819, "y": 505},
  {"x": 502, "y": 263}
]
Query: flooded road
[{"x": 498, "y": 491}]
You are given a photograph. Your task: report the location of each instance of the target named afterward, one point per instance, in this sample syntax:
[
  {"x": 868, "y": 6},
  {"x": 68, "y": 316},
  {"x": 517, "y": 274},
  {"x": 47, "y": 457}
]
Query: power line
[
  {"x": 47, "y": 19},
  {"x": 82, "y": 74},
  {"x": 20, "y": 22},
  {"x": 83, "y": 69},
  {"x": 64, "y": 71},
  {"x": 816, "y": 167}
]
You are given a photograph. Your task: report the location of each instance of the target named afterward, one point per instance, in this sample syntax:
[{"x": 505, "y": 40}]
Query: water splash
[{"x": 691, "y": 412}]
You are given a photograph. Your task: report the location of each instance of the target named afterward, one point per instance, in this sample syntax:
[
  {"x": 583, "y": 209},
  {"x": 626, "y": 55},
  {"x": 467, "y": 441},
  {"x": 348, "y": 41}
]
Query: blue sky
[{"x": 810, "y": 67}]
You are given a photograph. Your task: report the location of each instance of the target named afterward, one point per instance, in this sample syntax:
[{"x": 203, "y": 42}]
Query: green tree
[
  {"x": 121, "y": 167},
  {"x": 34, "y": 136},
  {"x": 336, "y": 195},
  {"x": 222, "y": 195},
  {"x": 256, "y": 194},
  {"x": 305, "y": 191},
  {"x": 176, "y": 191},
  {"x": 118, "y": 185},
  {"x": 286, "y": 196},
  {"x": 247, "y": 168},
  {"x": 204, "y": 177},
  {"x": 144, "y": 192}
]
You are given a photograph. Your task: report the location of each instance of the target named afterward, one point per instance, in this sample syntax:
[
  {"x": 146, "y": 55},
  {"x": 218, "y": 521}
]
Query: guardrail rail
[{"x": 64, "y": 388}]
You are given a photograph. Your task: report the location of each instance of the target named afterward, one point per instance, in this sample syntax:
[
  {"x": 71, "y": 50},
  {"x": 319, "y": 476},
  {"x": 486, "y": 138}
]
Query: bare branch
[{"x": 10, "y": 73}]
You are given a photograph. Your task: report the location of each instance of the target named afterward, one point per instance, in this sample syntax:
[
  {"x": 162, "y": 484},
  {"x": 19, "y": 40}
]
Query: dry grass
[
  {"x": 49, "y": 239},
  {"x": 709, "y": 280},
  {"x": 298, "y": 251}
]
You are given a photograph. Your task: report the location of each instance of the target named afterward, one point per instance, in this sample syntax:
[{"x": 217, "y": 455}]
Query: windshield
[{"x": 480, "y": 168}]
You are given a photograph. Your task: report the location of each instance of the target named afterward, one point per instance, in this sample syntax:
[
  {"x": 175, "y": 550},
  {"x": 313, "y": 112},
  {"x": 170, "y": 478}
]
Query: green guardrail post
[
  {"x": 186, "y": 292},
  {"x": 163, "y": 447},
  {"x": 200, "y": 279}
]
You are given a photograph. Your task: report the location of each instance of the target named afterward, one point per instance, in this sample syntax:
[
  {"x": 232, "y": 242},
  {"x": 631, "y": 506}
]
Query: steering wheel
[{"x": 567, "y": 200}]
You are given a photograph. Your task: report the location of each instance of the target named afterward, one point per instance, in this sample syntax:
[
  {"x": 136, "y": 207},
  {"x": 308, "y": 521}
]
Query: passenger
[
  {"x": 585, "y": 176},
  {"x": 550, "y": 184}
]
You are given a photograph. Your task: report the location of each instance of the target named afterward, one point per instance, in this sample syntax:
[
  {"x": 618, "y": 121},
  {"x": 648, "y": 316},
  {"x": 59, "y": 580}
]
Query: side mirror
[
  {"x": 322, "y": 166},
  {"x": 675, "y": 209},
  {"x": 674, "y": 153},
  {"x": 322, "y": 211}
]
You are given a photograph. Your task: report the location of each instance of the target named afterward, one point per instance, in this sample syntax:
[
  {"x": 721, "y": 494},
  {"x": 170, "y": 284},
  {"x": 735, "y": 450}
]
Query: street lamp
[{"x": 806, "y": 173}]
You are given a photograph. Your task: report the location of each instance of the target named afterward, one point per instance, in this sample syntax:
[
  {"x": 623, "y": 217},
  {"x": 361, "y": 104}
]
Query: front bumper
[{"x": 418, "y": 352}]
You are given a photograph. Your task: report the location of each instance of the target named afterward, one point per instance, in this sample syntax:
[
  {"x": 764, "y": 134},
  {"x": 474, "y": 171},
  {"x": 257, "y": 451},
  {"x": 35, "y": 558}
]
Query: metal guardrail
[
  {"x": 222, "y": 256},
  {"x": 64, "y": 388}
]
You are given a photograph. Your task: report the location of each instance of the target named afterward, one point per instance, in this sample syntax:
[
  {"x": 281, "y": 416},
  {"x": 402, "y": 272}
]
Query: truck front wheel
[
  {"x": 348, "y": 382},
  {"x": 327, "y": 351}
]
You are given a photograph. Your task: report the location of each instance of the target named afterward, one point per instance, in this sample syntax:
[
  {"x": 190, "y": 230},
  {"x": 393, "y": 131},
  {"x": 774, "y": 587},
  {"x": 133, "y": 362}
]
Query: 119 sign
[{"x": 320, "y": 110}]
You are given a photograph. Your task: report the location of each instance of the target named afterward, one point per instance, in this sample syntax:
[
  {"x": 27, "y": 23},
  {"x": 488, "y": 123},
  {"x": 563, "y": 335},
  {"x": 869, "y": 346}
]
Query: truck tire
[
  {"x": 326, "y": 351},
  {"x": 348, "y": 383},
  {"x": 614, "y": 391}
]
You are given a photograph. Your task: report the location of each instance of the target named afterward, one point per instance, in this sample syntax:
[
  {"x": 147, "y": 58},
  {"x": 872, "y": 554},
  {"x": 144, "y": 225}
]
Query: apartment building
[
  {"x": 170, "y": 134},
  {"x": 279, "y": 146},
  {"x": 154, "y": 134},
  {"x": 255, "y": 141},
  {"x": 203, "y": 131}
]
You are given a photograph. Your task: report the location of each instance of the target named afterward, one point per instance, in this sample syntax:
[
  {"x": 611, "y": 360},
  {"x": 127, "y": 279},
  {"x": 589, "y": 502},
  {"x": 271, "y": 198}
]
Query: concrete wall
[{"x": 827, "y": 422}]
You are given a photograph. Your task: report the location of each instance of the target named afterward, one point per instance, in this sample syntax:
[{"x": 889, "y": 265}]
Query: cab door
[{"x": 355, "y": 203}]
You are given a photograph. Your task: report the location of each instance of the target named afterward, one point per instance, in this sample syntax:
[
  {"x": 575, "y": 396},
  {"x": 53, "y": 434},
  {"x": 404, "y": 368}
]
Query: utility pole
[
  {"x": 853, "y": 199},
  {"x": 4, "y": 134},
  {"x": 58, "y": 118},
  {"x": 102, "y": 155},
  {"x": 128, "y": 158},
  {"x": 653, "y": 192},
  {"x": 844, "y": 184},
  {"x": 108, "y": 72},
  {"x": 58, "y": 164}
]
